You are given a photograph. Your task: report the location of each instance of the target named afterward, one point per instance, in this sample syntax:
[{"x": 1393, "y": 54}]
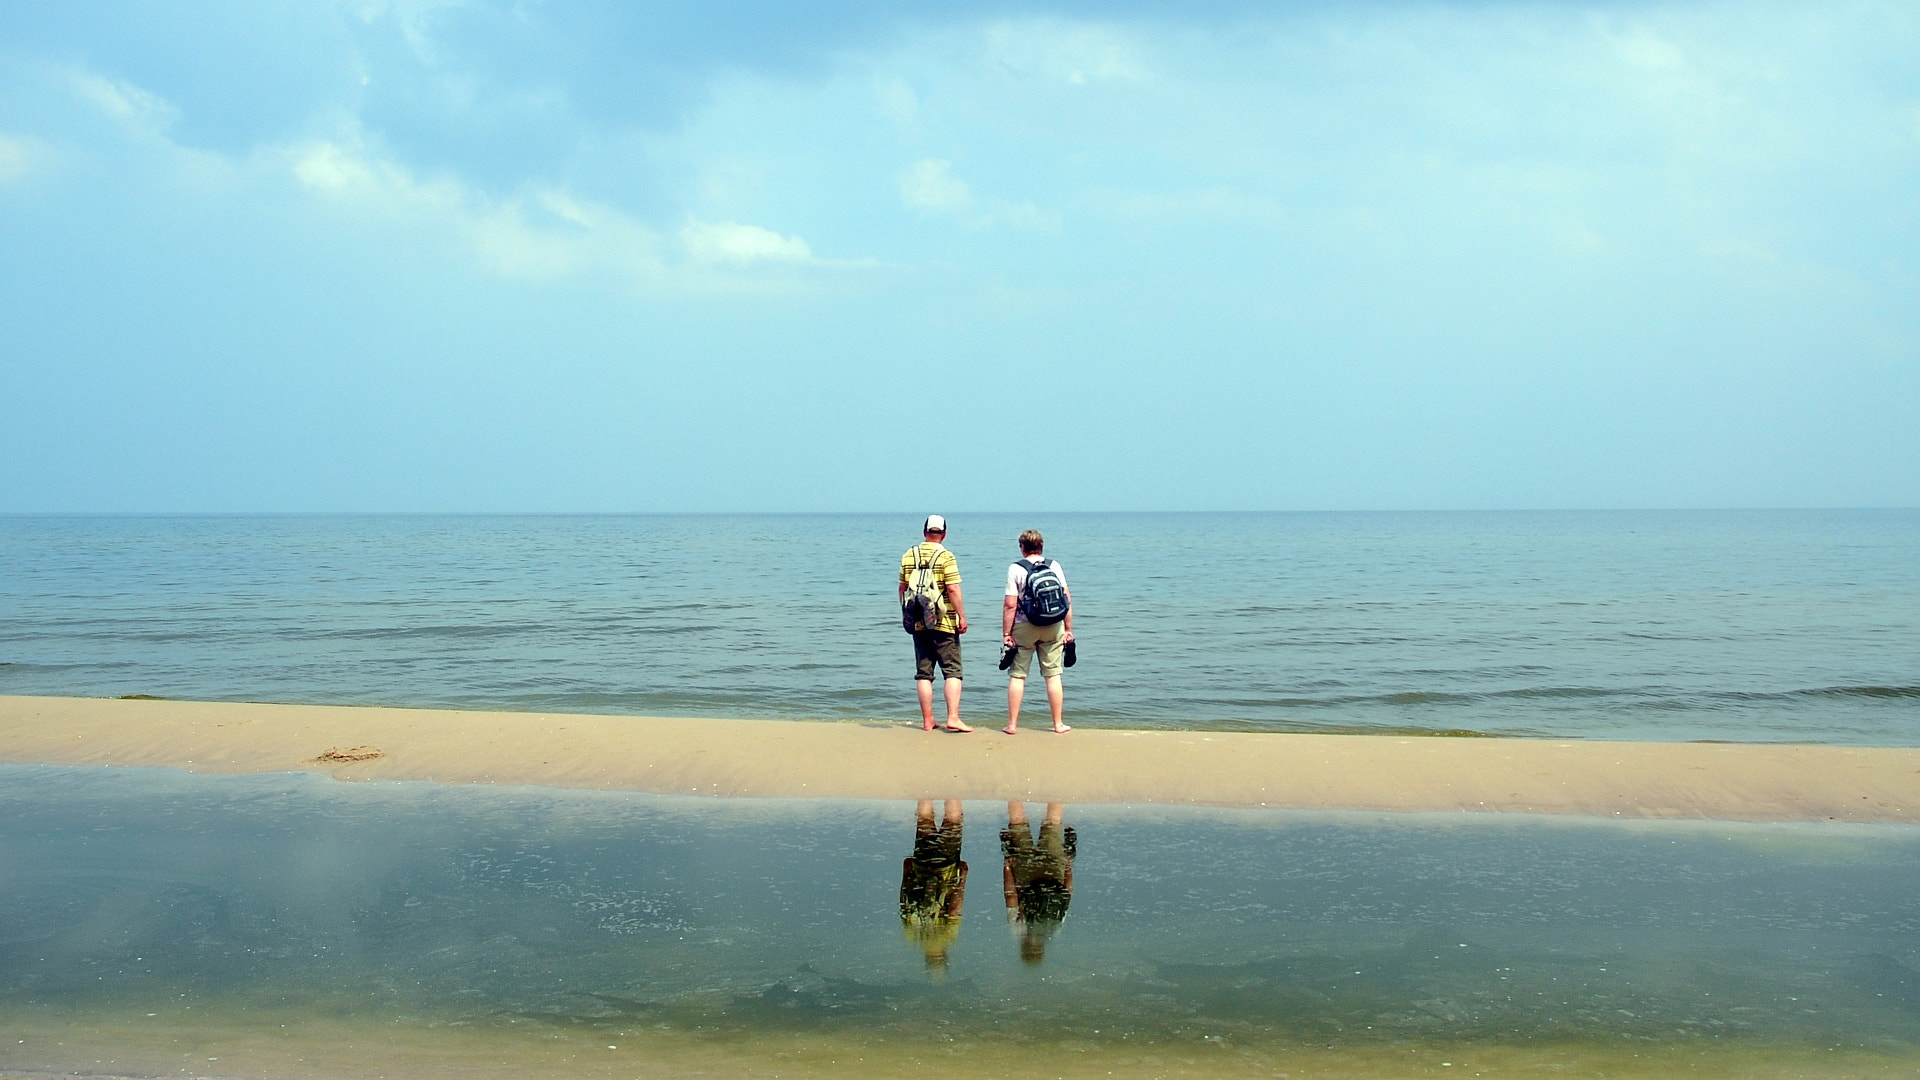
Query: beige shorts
[{"x": 1045, "y": 640}]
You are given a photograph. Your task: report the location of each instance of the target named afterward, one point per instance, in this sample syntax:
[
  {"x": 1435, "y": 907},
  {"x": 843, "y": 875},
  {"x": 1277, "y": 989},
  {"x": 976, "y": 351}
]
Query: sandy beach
[{"x": 878, "y": 760}]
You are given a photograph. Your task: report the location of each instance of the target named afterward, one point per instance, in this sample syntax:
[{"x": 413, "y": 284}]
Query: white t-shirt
[{"x": 1017, "y": 583}]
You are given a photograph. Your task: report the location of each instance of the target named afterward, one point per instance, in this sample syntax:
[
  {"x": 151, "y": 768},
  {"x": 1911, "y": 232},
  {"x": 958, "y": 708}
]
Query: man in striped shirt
[{"x": 936, "y": 640}]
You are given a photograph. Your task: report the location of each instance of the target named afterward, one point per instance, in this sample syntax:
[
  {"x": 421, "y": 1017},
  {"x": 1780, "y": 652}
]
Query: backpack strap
[
  {"x": 1026, "y": 587},
  {"x": 932, "y": 563}
]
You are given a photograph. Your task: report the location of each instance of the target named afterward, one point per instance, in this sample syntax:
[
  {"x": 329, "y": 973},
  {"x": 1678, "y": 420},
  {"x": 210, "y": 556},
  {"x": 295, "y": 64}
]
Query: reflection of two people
[{"x": 1036, "y": 876}]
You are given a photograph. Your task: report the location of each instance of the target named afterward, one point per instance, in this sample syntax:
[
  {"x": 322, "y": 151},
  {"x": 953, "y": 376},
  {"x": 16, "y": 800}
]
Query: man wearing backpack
[
  {"x": 1037, "y": 618},
  {"x": 932, "y": 611}
]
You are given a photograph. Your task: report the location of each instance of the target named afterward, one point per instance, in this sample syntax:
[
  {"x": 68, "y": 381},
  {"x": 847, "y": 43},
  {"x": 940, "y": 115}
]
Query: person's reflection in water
[
  {"x": 1037, "y": 877},
  {"x": 933, "y": 883}
]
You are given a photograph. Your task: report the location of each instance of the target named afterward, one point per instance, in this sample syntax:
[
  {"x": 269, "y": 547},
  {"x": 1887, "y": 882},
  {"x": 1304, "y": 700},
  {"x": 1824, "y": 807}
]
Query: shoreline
[{"x": 893, "y": 760}]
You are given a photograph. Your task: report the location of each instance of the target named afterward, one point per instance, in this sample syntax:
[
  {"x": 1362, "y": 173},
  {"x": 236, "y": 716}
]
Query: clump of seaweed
[{"x": 351, "y": 753}]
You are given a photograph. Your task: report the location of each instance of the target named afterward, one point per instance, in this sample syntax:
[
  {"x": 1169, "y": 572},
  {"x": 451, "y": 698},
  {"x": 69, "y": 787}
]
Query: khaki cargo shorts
[{"x": 1045, "y": 640}]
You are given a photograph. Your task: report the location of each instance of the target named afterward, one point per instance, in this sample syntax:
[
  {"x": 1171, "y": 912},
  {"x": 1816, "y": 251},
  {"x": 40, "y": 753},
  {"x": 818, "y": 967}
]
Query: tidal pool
[{"x": 162, "y": 923}]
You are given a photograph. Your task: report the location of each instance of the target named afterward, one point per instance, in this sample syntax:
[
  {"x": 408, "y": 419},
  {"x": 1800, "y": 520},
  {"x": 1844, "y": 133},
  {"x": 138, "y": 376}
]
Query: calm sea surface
[{"x": 1796, "y": 626}]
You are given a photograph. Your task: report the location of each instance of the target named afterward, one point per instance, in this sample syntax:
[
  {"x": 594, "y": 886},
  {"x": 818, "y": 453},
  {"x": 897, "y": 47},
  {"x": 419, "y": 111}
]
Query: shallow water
[
  {"x": 1799, "y": 626},
  {"x": 148, "y": 916}
]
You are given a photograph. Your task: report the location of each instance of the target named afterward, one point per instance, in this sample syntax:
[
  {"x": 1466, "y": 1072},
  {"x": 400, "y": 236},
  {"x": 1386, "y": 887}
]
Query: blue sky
[{"x": 558, "y": 256}]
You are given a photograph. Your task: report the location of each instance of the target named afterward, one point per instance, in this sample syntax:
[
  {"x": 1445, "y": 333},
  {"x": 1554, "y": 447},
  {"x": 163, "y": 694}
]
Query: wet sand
[
  {"x": 877, "y": 760},
  {"x": 346, "y": 1040}
]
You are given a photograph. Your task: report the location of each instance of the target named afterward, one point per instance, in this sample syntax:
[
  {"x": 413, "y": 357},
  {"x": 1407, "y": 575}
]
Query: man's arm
[
  {"x": 959, "y": 605},
  {"x": 1006, "y": 618},
  {"x": 1068, "y": 635}
]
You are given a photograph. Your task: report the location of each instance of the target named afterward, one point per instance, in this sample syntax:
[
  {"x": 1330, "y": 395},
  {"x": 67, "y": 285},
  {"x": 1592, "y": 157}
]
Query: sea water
[
  {"x": 159, "y": 922},
  {"x": 1798, "y": 626}
]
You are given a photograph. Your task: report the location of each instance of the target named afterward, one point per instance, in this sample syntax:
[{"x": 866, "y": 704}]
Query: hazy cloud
[
  {"x": 1455, "y": 253},
  {"x": 123, "y": 101},
  {"x": 1077, "y": 52},
  {"x": 741, "y": 245},
  {"x": 544, "y": 233},
  {"x": 931, "y": 185},
  {"x": 14, "y": 157},
  {"x": 1644, "y": 49}
]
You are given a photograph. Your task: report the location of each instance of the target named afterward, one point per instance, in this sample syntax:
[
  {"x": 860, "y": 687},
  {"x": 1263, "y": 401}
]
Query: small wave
[
  {"x": 1862, "y": 691},
  {"x": 1420, "y": 697},
  {"x": 1407, "y": 731},
  {"x": 1555, "y": 692},
  {"x": 384, "y": 633},
  {"x": 1142, "y": 721},
  {"x": 1441, "y": 697},
  {"x": 22, "y": 666},
  {"x": 1750, "y": 697}
]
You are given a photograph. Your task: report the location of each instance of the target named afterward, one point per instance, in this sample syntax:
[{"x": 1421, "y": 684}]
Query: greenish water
[{"x": 147, "y": 916}]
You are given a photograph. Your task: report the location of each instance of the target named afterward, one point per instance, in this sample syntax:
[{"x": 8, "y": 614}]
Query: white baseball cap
[{"x": 935, "y": 523}]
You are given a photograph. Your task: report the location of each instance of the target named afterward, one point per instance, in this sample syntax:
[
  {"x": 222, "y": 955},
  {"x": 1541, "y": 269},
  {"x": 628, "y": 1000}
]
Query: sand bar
[{"x": 877, "y": 760}]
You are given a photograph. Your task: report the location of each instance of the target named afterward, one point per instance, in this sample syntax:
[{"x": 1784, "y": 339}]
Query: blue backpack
[{"x": 1044, "y": 599}]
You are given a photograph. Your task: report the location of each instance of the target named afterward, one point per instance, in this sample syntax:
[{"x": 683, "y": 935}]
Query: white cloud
[
  {"x": 931, "y": 185},
  {"x": 349, "y": 174},
  {"x": 1222, "y": 203},
  {"x": 1642, "y": 48},
  {"x": 124, "y": 101},
  {"x": 568, "y": 209},
  {"x": 415, "y": 20},
  {"x": 332, "y": 168},
  {"x": 1577, "y": 238},
  {"x": 1020, "y": 215},
  {"x": 731, "y": 242},
  {"x": 898, "y": 101},
  {"x": 15, "y": 157},
  {"x": 544, "y": 234},
  {"x": 1074, "y": 52}
]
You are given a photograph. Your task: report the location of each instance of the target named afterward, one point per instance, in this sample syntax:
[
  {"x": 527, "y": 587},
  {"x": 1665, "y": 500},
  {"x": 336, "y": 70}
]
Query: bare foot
[
  {"x": 958, "y": 727},
  {"x": 1009, "y": 730},
  {"x": 1061, "y": 729},
  {"x": 926, "y": 725}
]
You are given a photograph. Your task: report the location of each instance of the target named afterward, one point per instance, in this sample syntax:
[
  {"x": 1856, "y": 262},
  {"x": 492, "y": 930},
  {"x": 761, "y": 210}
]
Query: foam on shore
[{"x": 878, "y": 760}]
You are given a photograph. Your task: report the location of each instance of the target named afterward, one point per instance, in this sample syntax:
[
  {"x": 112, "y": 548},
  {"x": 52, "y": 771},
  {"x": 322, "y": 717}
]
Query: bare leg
[
  {"x": 1016, "y": 690},
  {"x": 924, "y": 687},
  {"x": 1054, "y": 812},
  {"x": 1016, "y": 815},
  {"x": 953, "y": 705},
  {"x": 1055, "y": 698},
  {"x": 954, "y": 811}
]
